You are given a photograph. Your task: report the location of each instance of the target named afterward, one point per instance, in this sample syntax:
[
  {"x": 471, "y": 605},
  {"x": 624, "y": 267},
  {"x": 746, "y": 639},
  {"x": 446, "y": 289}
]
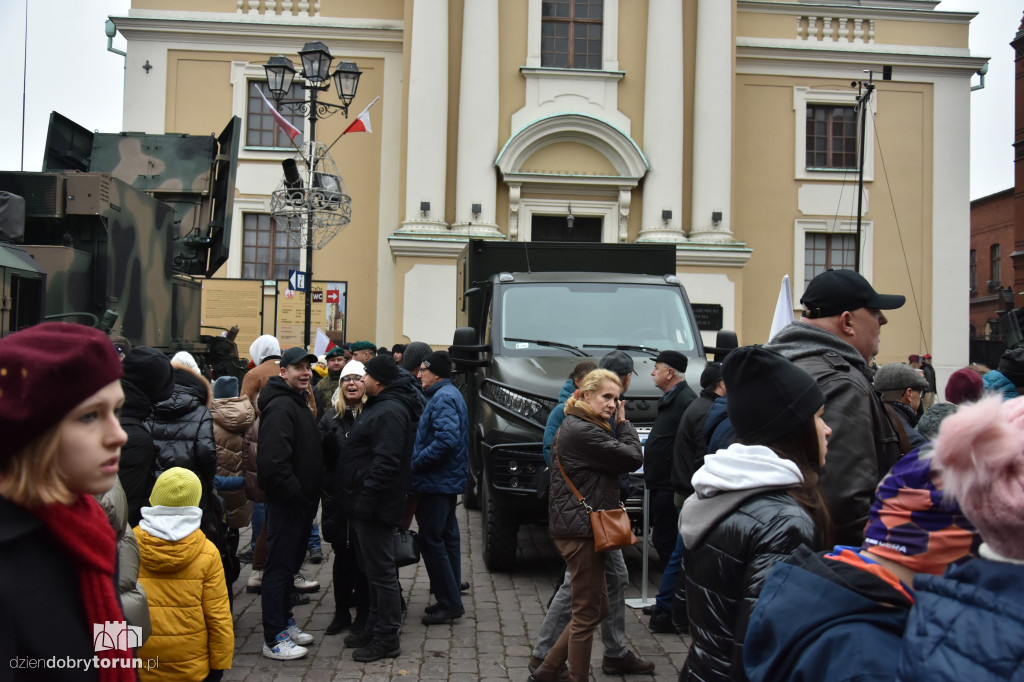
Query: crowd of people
[
  {"x": 125, "y": 492},
  {"x": 815, "y": 516}
]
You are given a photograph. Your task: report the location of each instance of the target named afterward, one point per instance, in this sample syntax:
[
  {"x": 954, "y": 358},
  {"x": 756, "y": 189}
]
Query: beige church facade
[{"x": 727, "y": 128}]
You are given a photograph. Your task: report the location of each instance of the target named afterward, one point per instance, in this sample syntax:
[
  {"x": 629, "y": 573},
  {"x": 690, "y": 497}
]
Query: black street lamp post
[{"x": 316, "y": 67}]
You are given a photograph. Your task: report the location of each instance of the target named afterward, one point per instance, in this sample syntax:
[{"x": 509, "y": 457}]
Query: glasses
[{"x": 352, "y": 378}]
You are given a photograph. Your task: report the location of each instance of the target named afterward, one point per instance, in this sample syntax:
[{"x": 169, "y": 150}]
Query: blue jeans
[
  {"x": 259, "y": 517},
  {"x": 314, "y": 535},
  {"x": 440, "y": 546},
  {"x": 377, "y": 559},
  {"x": 287, "y": 526},
  {"x": 670, "y": 578}
]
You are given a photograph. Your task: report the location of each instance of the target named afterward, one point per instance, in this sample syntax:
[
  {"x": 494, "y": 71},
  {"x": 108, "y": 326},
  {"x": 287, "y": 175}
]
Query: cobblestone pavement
[{"x": 492, "y": 641}]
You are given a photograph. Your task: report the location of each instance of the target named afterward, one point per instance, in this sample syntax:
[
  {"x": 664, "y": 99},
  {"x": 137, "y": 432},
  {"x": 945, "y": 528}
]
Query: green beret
[{"x": 363, "y": 345}]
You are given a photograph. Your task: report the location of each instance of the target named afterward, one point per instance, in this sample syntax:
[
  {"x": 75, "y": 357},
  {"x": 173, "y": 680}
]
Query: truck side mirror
[
  {"x": 725, "y": 342},
  {"x": 465, "y": 350}
]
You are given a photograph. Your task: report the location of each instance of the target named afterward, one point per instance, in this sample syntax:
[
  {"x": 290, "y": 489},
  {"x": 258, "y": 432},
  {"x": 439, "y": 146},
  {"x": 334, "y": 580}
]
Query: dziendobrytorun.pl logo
[{"x": 112, "y": 635}]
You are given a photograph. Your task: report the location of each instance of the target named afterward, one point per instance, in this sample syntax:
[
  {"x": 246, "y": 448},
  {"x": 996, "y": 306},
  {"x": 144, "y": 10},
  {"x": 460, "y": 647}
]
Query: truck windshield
[{"x": 591, "y": 314}]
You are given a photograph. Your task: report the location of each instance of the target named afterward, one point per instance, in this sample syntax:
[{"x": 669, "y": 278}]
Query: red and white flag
[
  {"x": 362, "y": 122},
  {"x": 289, "y": 129}
]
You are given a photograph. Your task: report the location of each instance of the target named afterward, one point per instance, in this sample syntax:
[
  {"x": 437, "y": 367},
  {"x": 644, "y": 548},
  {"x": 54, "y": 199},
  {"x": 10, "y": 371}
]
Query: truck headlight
[{"x": 527, "y": 407}]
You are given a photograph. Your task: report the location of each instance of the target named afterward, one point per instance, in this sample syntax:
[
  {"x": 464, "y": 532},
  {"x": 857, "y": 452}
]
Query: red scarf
[{"x": 84, "y": 533}]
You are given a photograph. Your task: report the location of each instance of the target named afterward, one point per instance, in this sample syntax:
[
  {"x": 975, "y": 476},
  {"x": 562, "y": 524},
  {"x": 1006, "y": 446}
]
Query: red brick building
[
  {"x": 997, "y": 233},
  {"x": 994, "y": 237}
]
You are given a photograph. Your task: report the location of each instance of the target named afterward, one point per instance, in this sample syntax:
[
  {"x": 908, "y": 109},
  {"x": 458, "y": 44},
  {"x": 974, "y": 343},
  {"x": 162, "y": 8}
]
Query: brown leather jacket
[{"x": 593, "y": 459}]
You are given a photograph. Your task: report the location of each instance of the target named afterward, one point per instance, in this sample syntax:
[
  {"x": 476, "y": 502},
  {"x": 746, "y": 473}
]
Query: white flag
[
  {"x": 321, "y": 343},
  {"x": 783, "y": 309}
]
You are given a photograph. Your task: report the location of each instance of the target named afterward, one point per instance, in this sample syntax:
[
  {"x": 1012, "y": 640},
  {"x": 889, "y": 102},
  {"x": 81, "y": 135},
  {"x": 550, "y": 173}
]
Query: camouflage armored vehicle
[{"x": 115, "y": 232}]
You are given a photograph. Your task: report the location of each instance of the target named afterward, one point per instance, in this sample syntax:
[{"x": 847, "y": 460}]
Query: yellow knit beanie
[{"x": 176, "y": 487}]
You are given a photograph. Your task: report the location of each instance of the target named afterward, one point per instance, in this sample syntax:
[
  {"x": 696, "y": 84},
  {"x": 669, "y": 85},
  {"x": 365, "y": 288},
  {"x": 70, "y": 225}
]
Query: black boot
[{"x": 342, "y": 620}]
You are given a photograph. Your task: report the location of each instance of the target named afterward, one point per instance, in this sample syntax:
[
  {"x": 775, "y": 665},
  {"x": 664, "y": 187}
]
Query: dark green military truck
[
  {"x": 116, "y": 231},
  {"x": 527, "y": 314}
]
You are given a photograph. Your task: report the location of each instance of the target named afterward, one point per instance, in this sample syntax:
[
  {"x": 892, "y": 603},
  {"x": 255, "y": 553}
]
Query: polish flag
[
  {"x": 291, "y": 130},
  {"x": 362, "y": 122}
]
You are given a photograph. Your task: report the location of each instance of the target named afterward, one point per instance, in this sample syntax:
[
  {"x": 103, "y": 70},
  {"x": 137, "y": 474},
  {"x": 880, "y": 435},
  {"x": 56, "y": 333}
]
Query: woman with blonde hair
[
  {"x": 350, "y": 585},
  {"x": 593, "y": 447},
  {"x": 59, "y": 398}
]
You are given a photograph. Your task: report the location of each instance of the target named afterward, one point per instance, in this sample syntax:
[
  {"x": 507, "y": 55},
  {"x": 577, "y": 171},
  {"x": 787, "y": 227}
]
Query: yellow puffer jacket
[{"x": 188, "y": 604}]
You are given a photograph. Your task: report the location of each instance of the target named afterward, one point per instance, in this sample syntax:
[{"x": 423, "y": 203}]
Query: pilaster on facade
[
  {"x": 427, "y": 119},
  {"x": 711, "y": 217},
  {"x": 663, "y": 124}
]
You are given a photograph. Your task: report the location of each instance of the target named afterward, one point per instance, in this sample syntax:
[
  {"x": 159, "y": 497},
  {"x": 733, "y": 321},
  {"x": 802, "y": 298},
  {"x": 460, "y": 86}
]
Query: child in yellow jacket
[{"x": 193, "y": 633}]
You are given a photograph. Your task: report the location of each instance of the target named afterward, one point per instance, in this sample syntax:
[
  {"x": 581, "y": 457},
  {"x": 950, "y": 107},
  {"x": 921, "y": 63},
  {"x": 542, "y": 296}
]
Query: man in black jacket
[
  {"x": 374, "y": 474},
  {"x": 289, "y": 471},
  {"x": 669, "y": 376}
]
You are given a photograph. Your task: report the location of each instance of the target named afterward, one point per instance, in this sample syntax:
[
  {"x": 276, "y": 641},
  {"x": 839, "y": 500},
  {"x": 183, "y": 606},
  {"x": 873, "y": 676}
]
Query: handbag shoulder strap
[{"x": 566, "y": 477}]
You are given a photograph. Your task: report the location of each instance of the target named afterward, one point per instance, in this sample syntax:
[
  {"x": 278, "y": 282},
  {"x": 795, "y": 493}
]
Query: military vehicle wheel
[
  {"x": 501, "y": 531},
  {"x": 471, "y": 498}
]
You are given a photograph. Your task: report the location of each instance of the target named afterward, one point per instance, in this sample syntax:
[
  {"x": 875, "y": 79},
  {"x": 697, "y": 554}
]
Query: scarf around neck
[{"x": 82, "y": 530}]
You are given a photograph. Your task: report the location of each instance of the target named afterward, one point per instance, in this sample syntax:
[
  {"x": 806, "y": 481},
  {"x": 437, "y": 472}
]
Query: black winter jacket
[
  {"x": 691, "y": 443},
  {"x": 333, "y": 431},
  {"x": 375, "y": 461},
  {"x": 593, "y": 459},
  {"x": 182, "y": 429},
  {"x": 138, "y": 454},
  {"x": 289, "y": 457},
  {"x": 864, "y": 445},
  {"x": 42, "y": 614},
  {"x": 660, "y": 443},
  {"x": 725, "y": 570}
]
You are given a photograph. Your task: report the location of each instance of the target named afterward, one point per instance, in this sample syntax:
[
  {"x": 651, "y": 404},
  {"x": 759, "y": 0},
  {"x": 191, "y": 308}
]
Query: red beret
[
  {"x": 964, "y": 386},
  {"x": 45, "y": 371}
]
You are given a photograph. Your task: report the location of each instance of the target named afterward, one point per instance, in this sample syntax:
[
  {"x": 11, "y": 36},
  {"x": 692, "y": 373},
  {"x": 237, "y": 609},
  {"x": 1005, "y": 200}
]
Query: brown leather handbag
[{"x": 612, "y": 528}]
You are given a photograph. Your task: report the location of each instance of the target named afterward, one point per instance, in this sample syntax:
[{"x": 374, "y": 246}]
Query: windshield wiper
[
  {"x": 553, "y": 344},
  {"x": 640, "y": 349}
]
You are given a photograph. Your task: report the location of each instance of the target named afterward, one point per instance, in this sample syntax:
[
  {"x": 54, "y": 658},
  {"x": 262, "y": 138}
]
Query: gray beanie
[
  {"x": 928, "y": 424},
  {"x": 413, "y": 356}
]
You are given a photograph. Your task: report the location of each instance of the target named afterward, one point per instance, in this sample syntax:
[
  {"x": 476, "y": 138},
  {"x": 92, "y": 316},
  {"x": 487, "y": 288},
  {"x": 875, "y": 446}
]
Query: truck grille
[{"x": 516, "y": 468}]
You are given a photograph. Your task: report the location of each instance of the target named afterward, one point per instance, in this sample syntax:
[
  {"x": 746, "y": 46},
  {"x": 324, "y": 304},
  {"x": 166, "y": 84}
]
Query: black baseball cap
[
  {"x": 295, "y": 355},
  {"x": 835, "y": 291}
]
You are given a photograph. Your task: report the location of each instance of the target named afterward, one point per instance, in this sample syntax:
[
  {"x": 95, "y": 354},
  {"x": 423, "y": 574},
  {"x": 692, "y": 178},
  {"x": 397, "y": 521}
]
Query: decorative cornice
[
  {"x": 426, "y": 246},
  {"x": 906, "y": 10},
  {"x": 236, "y": 31},
  {"x": 713, "y": 255},
  {"x": 774, "y": 53},
  {"x": 570, "y": 74}
]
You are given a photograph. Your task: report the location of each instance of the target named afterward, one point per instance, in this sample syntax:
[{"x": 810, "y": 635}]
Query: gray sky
[{"x": 86, "y": 83}]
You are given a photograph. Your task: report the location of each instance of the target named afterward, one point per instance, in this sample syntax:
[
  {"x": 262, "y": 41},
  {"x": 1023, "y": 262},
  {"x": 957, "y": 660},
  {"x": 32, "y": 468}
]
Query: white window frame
[
  {"x": 802, "y": 96},
  {"x": 828, "y": 226},
  {"x": 609, "y": 35},
  {"x": 608, "y": 211},
  {"x": 241, "y": 74}
]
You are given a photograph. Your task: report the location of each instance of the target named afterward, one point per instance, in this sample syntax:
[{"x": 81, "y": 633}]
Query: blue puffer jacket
[
  {"x": 556, "y": 418},
  {"x": 440, "y": 455},
  {"x": 966, "y": 625},
  {"x": 996, "y": 382}
]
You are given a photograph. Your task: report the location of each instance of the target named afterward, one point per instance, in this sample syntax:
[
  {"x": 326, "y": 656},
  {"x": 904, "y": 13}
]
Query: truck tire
[{"x": 501, "y": 531}]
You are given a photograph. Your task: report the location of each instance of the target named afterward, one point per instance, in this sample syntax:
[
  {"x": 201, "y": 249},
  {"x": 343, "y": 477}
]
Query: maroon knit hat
[
  {"x": 964, "y": 386},
  {"x": 45, "y": 371}
]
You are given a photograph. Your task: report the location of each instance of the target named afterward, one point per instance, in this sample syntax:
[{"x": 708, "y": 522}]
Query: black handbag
[{"x": 406, "y": 546}]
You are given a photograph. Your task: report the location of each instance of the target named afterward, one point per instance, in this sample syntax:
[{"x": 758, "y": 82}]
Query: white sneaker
[
  {"x": 304, "y": 584},
  {"x": 296, "y": 635},
  {"x": 284, "y": 648},
  {"x": 255, "y": 581}
]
